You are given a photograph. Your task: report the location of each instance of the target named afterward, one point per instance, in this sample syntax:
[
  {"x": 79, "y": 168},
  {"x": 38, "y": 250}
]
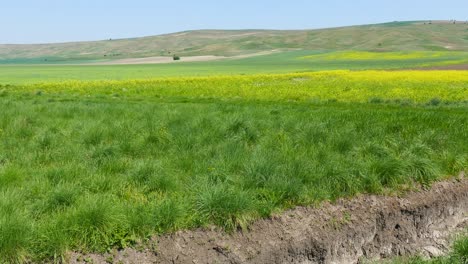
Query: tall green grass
[{"x": 93, "y": 173}]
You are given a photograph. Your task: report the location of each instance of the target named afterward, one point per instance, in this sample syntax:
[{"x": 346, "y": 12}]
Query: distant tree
[{"x": 175, "y": 57}]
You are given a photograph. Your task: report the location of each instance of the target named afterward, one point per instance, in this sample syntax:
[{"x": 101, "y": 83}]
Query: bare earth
[
  {"x": 160, "y": 60},
  {"x": 366, "y": 227}
]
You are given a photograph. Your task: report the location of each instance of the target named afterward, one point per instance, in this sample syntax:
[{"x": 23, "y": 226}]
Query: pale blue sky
[{"x": 39, "y": 21}]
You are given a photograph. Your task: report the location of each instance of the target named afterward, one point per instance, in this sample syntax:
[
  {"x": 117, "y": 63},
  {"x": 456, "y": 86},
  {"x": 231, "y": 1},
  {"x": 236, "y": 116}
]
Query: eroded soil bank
[{"x": 366, "y": 227}]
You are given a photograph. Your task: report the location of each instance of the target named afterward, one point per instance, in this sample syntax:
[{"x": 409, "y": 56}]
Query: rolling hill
[{"x": 394, "y": 36}]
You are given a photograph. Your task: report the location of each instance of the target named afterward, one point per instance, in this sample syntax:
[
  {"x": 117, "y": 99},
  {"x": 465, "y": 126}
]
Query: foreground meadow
[{"x": 93, "y": 165}]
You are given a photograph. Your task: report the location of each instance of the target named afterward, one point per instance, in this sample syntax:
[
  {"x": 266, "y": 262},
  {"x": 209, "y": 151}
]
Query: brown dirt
[
  {"x": 164, "y": 60},
  {"x": 365, "y": 227},
  {"x": 157, "y": 60}
]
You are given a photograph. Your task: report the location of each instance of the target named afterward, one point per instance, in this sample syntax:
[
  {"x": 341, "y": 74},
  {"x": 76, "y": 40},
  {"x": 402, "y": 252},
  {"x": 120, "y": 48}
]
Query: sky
[{"x": 46, "y": 21}]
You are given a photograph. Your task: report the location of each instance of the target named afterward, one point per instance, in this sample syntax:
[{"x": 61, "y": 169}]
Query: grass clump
[
  {"x": 460, "y": 250},
  {"x": 16, "y": 234},
  {"x": 62, "y": 197},
  {"x": 153, "y": 178},
  {"x": 227, "y": 207},
  {"x": 96, "y": 223},
  {"x": 16, "y": 229}
]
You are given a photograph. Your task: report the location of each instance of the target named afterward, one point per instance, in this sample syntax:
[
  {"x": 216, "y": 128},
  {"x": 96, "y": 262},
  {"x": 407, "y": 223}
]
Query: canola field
[
  {"x": 94, "y": 165},
  {"x": 343, "y": 86},
  {"x": 389, "y": 56}
]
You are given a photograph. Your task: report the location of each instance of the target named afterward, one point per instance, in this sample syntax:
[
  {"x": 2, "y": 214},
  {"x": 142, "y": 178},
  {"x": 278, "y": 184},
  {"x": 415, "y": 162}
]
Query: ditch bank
[{"x": 348, "y": 231}]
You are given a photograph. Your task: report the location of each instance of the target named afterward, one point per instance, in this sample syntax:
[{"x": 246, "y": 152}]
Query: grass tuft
[
  {"x": 95, "y": 223},
  {"x": 16, "y": 229},
  {"x": 460, "y": 250},
  {"x": 227, "y": 207}
]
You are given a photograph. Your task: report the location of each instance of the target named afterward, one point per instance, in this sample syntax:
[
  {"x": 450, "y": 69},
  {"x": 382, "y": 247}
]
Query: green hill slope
[{"x": 395, "y": 36}]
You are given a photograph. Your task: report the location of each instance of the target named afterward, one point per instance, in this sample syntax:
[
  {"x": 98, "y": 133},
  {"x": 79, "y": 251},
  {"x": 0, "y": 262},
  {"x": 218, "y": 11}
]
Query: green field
[
  {"x": 93, "y": 165},
  {"x": 284, "y": 62}
]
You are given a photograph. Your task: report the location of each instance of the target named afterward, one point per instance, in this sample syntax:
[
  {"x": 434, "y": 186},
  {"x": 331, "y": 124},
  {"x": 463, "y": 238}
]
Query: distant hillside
[{"x": 395, "y": 36}]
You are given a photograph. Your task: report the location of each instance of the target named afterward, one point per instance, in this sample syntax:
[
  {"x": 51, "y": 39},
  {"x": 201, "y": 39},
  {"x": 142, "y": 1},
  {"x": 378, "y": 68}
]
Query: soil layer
[{"x": 348, "y": 231}]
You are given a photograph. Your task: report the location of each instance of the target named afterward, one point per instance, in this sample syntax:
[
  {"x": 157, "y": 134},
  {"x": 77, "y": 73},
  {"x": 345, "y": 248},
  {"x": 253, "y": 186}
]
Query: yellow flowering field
[
  {"x": 367, "y": 55},
  {"x": 342, "y": 86}
]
